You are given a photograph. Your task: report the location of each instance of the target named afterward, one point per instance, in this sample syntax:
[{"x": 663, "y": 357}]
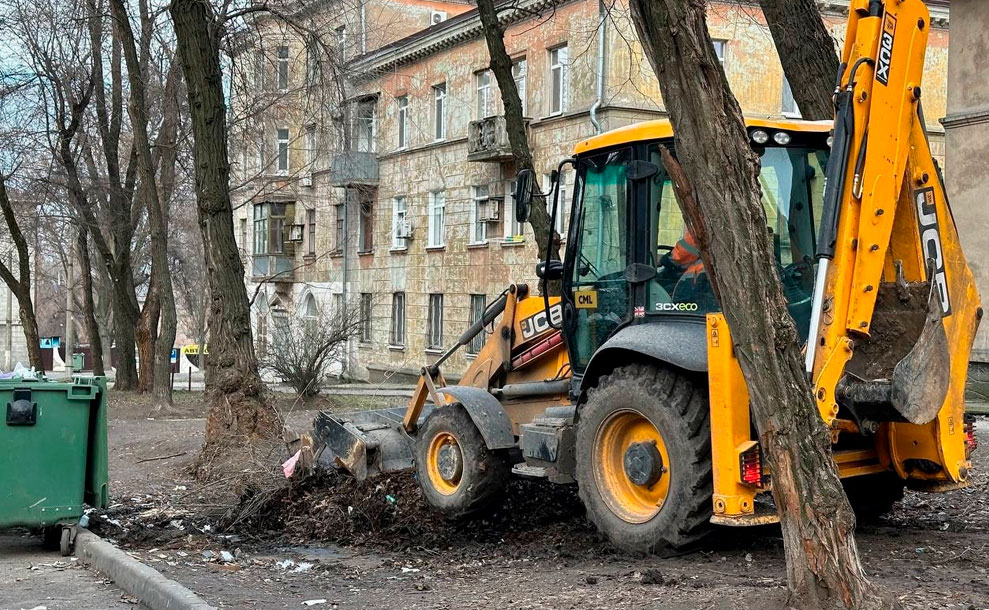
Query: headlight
[
  {"x": 782, "y": 138},
  {"x": 760, "y": 137},
  {"x": 830, "y": 141}
]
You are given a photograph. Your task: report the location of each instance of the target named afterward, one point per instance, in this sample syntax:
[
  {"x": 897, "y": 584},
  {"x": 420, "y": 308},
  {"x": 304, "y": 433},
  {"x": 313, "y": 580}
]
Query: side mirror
[
  {"x": 550, "y": 270},
  {"x": 523, "y": 194}
]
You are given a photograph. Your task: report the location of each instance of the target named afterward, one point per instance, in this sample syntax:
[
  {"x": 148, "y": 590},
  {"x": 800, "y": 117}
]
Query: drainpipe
[
  {"x": 602, "y": 15},
  {"x": 346, "y": 263}
]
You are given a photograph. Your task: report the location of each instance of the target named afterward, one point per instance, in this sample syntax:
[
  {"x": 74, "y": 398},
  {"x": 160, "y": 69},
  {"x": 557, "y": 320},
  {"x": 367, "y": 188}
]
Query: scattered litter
[
  {"x": 314, "y": 602},
  {"x": 304, "y": 566},
  {"x": 409, "y": 570},
  {"x": 84, "y": 521},
  {"x": 226, "y": 557},
  {"x": 289, "y": 466},
  {"x": 209, "y": 555},
  {"x": 37, "y": 607},
  {"x": 285, "y": 564},
  {"x": 390, "y": 498},
  {"x": 180, "y": 488},
  {"x": 748, "y": 557}
]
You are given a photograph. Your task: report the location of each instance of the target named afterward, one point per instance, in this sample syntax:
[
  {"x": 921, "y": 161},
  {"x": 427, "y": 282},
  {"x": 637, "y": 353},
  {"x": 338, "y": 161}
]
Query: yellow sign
[{"x": 586, "y": 299}]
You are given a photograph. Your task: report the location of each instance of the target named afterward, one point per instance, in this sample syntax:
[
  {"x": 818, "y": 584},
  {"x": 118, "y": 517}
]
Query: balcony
[
  {"x": 274, "y": 267},
  {"x": 350, "y": 168},
  {"x": 487, "y": 140}
]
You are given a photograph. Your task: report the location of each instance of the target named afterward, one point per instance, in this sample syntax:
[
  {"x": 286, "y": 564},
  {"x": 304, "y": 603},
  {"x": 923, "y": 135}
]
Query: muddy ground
[{"x": 375, "y": 545}]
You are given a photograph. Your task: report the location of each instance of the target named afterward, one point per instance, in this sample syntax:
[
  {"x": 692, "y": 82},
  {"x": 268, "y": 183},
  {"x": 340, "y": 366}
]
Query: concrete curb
[{"x": 145, "y": 583}]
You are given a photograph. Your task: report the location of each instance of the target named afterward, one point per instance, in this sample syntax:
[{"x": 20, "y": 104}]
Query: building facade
[{"x": 392, "y": 193}]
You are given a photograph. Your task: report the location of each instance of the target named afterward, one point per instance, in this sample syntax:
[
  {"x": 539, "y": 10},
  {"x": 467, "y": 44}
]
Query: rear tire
[
  {"x": 629, "y": 406},
  {"x": 872, "y": 496},
  {"x": 458, "y": 474}
]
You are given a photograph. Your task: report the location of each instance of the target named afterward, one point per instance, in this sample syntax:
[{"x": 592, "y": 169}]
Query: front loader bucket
[
  {"x": 365, "y": 443},
  {"x": 905, "y": 363}
]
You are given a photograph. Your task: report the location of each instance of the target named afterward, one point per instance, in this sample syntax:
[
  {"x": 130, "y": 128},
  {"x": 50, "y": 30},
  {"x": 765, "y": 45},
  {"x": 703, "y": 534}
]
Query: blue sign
[{"x": 175, "y": 355}]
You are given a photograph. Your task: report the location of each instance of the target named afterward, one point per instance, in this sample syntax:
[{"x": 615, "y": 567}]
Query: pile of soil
[{"x": 389, "y": 512}]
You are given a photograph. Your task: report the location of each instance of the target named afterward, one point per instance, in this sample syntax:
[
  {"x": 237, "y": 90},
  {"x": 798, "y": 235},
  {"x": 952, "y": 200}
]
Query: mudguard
[
  {"x": 680, "y": 342},
  {"x": 486, "y": 413}
]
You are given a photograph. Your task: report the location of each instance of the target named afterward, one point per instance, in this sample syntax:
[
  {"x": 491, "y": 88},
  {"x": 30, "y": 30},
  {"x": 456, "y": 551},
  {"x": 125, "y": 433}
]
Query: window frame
[
  {"x": 399, "y": 214},
  {"x": 311, "y": 233},
  {"x": 722, "y": 45},
  {"x": 478, "y": 305},
  {"x": 510, "y": 222},
  {"x": 339, "y": 237},
  {"x": 367, "y": 309},
  {"x": 561, "y": 67},
  {"x": 439, "y": 112},
  {"x": 485, "y": 94},
  {"x": 478, "y": 227},
  {"x": 282, "y": 68},
  {"x": 434, "y": 323},
  {"x": 365, "y": 224},
  {"x": 521, "y": 81},
  {"x": 403, "y": 122},
  {"x": 436, "y": 229},
  {"x": 282, "y": 146},
  {"x": 396, "y": 335}
]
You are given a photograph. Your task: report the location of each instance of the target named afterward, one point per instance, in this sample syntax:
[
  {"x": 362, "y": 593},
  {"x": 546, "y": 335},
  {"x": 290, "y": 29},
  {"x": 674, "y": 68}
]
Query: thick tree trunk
[
  {"x": 719, "y": 191},
  {"x": 547, "y": 240},
  {"x": 145, "y": 334},
  {"x": 807, "y": 52},
  {"x": 124, "y": 339},
  {"x": 89, "y": 303},
  {"x": 238, "y": 408},
  {"x": 160, "y": 339},
  {"x": 20, "y": 284}
]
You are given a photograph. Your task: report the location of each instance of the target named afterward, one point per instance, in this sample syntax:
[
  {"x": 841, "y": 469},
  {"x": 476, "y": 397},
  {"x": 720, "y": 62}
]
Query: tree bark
[
  {"x": 89, "y": 303},
  {"x": 20, "y": 284},
  {"x": 807, "y": 52},
  {"x": 238, "y": 409},
  {"x": 718, "y": 185},
  {"x": 547, "y": 239},
  {"x": 160, "y": 297}
]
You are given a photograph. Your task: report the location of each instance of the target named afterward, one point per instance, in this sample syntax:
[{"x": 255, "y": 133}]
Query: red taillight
[
  {"x": 750, "y": 466},
  {"x": 971, "y": 443}
]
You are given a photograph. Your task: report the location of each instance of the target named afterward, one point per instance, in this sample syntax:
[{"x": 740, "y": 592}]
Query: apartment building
[{"x": 402, "y": 204}]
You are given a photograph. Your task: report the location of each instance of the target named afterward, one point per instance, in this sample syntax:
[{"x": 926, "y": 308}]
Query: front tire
[
  {"x": 644, "y": 458},
  {"x": 872, "y": 496},
  {"x": 458, "y": 474}
]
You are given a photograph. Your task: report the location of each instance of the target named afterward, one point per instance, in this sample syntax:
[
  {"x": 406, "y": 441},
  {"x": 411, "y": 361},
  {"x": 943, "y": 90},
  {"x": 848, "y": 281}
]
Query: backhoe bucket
[
  {"x": 365, "y": 443},
  {"x": 905, "y": 363}
]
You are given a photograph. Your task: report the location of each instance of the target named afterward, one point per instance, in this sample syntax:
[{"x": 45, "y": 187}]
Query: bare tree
[
  {"x": 89, "y": 302},
  {"x": 501, "y": 66},
  {"x": 238, "y": 408},
  {"x": 20, "y": 284},
  {"x": 305, "y": 347},
  {"x": 718, "y": 189},
  {"x": 807, "y": 52}
]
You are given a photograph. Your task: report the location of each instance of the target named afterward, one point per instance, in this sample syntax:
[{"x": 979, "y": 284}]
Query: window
[
  {"x": 310, "y": 311},
  {"x": 479, "y": 214},
  {"x": 485, "y": 95},
  {"x": 519, "y": 72},
  {"x": 261, "y": 340},
  {"x": 365, "y": 317},
  {"x": 439, "y": 111},
  {"x": 282, "y": 68},
  {"x": 558, "y": 67},
  {"x": 790, "y": 108},
  {"x": 243, "y": 234},
  {"x": 341, "y": 40},
  {"x": 364, "y": 126},
  {"x": 311, "y": 223},
  {"x": 338, "y": 304},
  {"x": 403, "y": 121},
  {"x": 478, "y": 303},
  {"x": 434, "y": 329},
  {"x": 311, "y": 148},
  {"x": 338, "y": 234},
  {"x": 366, "y": 222},
  {"x": 513, "y": 228},
  {"x": 719, "y": 49},
  {"x": 281, "y": 137},
  {"x": 269, "y": 227},
  {"x": 397, "y": 337},
  {"x": 398, "y": 215},
  {"x": 562, "y": 203},
  {"x": 437, "y": 203}
]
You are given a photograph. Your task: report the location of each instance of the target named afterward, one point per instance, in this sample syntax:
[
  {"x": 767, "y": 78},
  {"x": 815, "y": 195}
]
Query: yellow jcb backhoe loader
[{"x": 628, "y": 384}]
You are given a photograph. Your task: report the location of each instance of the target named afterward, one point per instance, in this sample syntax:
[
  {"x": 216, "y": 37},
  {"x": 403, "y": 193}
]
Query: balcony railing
[
  {"x": 277, "y": 267},
  {"x": 487, "y": 140},
  {"x": 353, "y": 167}
]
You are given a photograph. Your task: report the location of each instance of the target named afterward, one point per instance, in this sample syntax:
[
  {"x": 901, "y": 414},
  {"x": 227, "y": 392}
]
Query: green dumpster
[
  {"x": 78, "y": 362},
  {"x": 54, "y": 454}
]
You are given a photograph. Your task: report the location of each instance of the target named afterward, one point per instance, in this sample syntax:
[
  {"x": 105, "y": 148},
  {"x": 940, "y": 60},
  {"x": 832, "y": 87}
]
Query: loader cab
[{"x": 630, "y": 258}]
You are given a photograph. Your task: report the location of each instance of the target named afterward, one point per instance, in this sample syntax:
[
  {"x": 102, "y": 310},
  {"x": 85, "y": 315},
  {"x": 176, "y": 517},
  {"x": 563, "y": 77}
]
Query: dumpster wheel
[
  {"x": 65, "y": 542},
  {"x": 458, "y": 474}
]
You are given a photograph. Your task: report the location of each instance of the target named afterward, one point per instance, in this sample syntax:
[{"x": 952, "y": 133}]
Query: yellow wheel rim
[
  {"x": 634, "y": 493},
  {"x": 444, "y": 463}
]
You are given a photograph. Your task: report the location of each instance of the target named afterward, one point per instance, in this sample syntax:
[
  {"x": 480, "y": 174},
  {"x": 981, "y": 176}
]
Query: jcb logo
[
  {"x": 930, "y": 241},
  {"x": 886, "y": 49},
  {"x": 539, "y": 323}
]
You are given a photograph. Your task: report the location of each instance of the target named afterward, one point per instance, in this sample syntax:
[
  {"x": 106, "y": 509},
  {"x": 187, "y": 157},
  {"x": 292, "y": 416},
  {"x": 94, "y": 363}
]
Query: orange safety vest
[{"x": 687, "y": 255}]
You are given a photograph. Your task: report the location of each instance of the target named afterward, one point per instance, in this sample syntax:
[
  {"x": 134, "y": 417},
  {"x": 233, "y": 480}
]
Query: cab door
[{"x": 596, "y": 293}]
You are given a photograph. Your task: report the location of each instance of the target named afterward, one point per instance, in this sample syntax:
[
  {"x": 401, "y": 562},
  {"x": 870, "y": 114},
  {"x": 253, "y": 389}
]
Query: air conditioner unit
[
  {"x": 437, "y": 17},
  {"x": 306, "y": 180},
  {"x": 404, "y": 230},
  {"x": 295, "y": 232},
  {"x": 490, "y": 211}
]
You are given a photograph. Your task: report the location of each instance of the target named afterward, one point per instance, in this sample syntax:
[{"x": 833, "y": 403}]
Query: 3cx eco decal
[
  {"x": 886, "y": 49},
  {"x": 930, "y": 242},
  {"x": 676, "y": 306},
  {"x": 533, "y": 325}
]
